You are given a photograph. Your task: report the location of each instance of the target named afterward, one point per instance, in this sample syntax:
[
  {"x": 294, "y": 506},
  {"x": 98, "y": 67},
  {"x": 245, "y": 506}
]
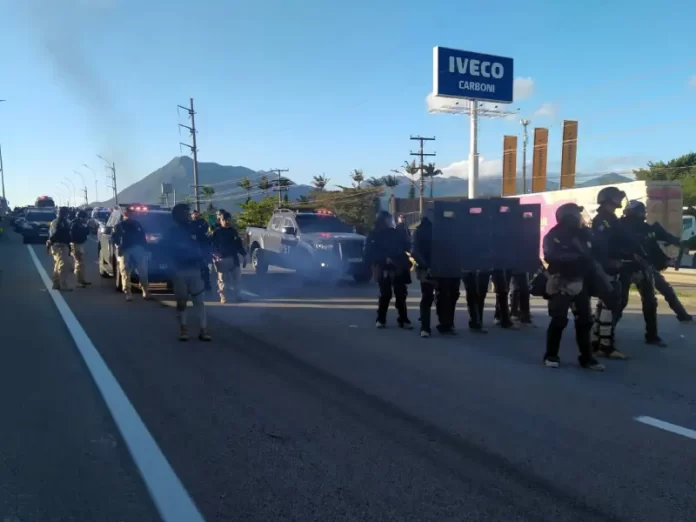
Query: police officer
[
  {"x": 187, "y": 256},
  {"x": 642, "y": 273},
  {"x": 201, "y": 228},
  {"x": 652, "y": 235},
  {"x": 386, "y": 252},
  {"x": 79, "y": 231},
  {"x": 520, "y": 298},
  {"x": 58, "y": 245},
  {"x": 229, "y": 257},
  {"x": 567, "y": 250},
  {"x": 476, "y": 287},
  {"x": 402, "y": 227},
  {"x": 607, "y": 247},
  {"x": 129, "y": 239}
]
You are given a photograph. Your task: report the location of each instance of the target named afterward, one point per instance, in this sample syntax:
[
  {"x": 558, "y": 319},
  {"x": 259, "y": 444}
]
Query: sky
[{"x": 325, "y": 87}]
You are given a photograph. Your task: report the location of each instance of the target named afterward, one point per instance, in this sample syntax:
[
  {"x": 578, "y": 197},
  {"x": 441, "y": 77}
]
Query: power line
[
  {"x": 193, "y": 148},
  {"x": 279, "y": 182},
  {"x": 422, "y": 154}
]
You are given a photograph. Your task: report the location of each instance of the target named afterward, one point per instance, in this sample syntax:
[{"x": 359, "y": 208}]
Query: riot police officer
[
  {"x": 200, "y": 226},
  {"x": 567, "y": 250},
  {"x": 607, "y": 247},
  {"x": 641, "y": 273},
  {"x": 386, "y": 252}
]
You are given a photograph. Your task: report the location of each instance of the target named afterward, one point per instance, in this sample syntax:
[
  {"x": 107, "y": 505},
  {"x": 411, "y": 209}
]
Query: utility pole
[
  {"x": 96, "y": 189},
  {"x": 2, "y": 176},
  {"x": 525, "y": 124},
  {"x": 112, "y": 168},
  {"x": 279, "y": 173},
  {"x": 192, "y": 147},
  {"x": 422, "y": 155}
]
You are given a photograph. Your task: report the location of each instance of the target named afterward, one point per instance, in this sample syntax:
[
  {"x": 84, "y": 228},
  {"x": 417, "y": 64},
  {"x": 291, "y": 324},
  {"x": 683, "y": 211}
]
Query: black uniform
[
  {"x": 226, "y": 243},
  {"x": 200, "y": 227},
  {"x": 443, "y": 291},
  {"x": 79, "y": 231},
  {"x": 476, "y": 288},
  {"x": 386, "y": 252},
  {"x": 567, "y": 250},
  {"x": 128, "y": 233},
  {"x": 59, "y": 232},
  {"x": 640, "y": 274},
  {"x": 520, "y": 298}
]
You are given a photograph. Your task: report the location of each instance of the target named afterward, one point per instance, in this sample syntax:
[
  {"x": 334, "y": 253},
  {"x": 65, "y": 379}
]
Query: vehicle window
[
  {"x": 101, "y": 216},
  {"x": 41, "y": 217},
  {"x": 154, "y": 222},
  {"x": 274, "y": 223},
  {"x": 687, "y": 223},
  {"x": 288, "y": 223},
  {"x": 310, "y": 223}
]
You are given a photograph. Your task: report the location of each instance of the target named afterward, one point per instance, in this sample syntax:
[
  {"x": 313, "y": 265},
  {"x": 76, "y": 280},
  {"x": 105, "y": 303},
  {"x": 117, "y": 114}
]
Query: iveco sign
[{"x": 463, "y": 74}]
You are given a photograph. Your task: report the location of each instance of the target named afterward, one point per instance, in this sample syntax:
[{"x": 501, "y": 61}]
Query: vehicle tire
[{"x": 257, "y": 261}]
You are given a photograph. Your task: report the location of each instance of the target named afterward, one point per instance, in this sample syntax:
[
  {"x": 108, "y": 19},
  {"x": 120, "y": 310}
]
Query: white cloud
[
  {"x": 692, "y": 81},
  {"x": 547, "y": 110},
  {"x": 487, "y": 168},
  {"x": 523, "y": 88}
]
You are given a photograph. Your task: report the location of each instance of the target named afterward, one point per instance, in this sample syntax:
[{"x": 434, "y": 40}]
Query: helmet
[
  {"x": 636, "y": 209},
  {"x": 384, "y": 220},
  {"x": 180, "y": 213},
  {"x": 570, "y": 214},
  {"x": 63, "y": 212},
  {"x": 81, "y": 214},
  {"x": 611, "y": 195}
]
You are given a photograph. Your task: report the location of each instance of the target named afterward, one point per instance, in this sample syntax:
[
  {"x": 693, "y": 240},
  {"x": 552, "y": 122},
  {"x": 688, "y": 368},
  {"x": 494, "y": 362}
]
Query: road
[{"x": 299, "y": 410}]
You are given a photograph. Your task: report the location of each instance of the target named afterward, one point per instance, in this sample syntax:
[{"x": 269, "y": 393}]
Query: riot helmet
[
  {"x": 611, "y": 196},
  {"x": 570, "y": 215},
  {"x": 82, "y": 214},
  {"x": 635, "y": 209},
  {"x": 180, "y": 213},
  {"x": 384, "y": 220}
]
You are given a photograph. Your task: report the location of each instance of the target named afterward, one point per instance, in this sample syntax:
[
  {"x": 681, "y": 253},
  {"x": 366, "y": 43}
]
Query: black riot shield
[
  {"x": 462, "y": 237},
  {"x": 506, "y": 228},
  {"x": 529, "y": 241}
]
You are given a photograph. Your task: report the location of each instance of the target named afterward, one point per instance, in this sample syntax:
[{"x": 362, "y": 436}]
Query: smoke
[{"x": 63, "y": 30}]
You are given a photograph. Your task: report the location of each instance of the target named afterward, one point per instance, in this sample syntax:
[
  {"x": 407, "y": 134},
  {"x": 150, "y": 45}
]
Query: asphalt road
[{"x": 299, "y": 410}]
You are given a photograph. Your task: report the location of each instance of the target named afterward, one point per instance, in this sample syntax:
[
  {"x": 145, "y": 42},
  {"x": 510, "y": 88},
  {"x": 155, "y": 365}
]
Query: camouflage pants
[{"x": 62, "y": 267}]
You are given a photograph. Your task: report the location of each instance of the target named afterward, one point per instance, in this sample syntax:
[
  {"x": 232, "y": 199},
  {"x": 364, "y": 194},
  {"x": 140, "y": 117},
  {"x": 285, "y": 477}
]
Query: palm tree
[
  {"x": 411, "y": 169},
  {"x": 265, "y": 184},
  {"x": 430, "y": 171},
  {"x": 358, "y": 177},
  {"x": 208, "y": 193},
  {"x": 391, "y": 182},
  {"x": 375, "y": 182},
  {"x": 320, "y": 182},
  {"x": 246, "y": 185}
]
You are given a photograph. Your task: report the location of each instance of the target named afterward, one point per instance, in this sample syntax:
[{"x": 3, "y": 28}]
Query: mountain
[{"x": 224, "y": 179}]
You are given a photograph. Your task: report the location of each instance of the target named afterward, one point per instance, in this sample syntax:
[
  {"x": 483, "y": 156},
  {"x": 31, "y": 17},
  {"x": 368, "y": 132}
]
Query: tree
[
  {"x": 411, "y": 169},
  {"x": 354, "y": 206},
  {"x": 375, "y": 182},
  {"x": 246, "y": 185},
  {"x": 682, "y": 168},
  {"x": 208, "y": 192},
  {"x": 304, "y": 200},
  {"x": 265, "y": 184},
  {"x": 391, "y": 182},
  {"x": 430, "y": 171},
  {"x": 358, "y": 177},
  {"x": 255, "y": 213},
  {"x": 320, "y": 182}
]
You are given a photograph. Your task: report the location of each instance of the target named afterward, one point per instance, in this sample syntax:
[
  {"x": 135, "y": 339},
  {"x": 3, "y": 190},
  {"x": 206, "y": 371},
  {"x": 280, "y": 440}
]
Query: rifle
[{"x": 682, "y": 250}]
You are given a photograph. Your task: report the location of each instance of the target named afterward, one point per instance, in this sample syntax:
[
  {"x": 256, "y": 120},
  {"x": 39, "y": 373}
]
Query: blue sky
[{"x": 326, "y": 87}]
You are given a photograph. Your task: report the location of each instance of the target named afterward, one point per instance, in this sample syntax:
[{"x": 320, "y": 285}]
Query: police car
[
  {"x": 313, "y": 242},
  {"x": 155, "y": 222},
  {"x": 35, "y": 224}
]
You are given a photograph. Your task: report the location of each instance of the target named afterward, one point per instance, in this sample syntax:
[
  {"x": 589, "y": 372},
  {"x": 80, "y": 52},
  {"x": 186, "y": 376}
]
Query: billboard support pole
[{"x": 473, "y": 149}]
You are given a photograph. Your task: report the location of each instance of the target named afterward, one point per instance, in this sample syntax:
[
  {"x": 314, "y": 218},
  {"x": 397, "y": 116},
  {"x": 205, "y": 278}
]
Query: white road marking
[
  {"x": 666, "y": 426},
  {"x": 172, "y": 501},
  {"x": 249, "y": 294}
]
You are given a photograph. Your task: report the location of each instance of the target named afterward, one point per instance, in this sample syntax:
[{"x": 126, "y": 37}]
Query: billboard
[
  {"x": 167, "y": 188},
  {"x": 569, "y": 153},
  {"x": 474, "y": 76},
  {"x": 539, "y": 159},
  {"x": 509, "y": 165}
]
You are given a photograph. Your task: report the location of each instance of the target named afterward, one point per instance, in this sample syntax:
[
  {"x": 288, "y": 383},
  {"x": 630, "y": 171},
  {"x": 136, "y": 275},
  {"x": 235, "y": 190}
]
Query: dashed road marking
[
  {"x": 667, "y": 426},
  {"x": 171, "y": 499}
]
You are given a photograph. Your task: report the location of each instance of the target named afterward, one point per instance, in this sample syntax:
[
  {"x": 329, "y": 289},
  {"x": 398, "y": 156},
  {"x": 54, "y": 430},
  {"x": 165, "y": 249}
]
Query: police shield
[
  {"x": 505, "y": 229},
  {"x": 462, "y": 237},
  {"x": 529, "y": 241}
]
